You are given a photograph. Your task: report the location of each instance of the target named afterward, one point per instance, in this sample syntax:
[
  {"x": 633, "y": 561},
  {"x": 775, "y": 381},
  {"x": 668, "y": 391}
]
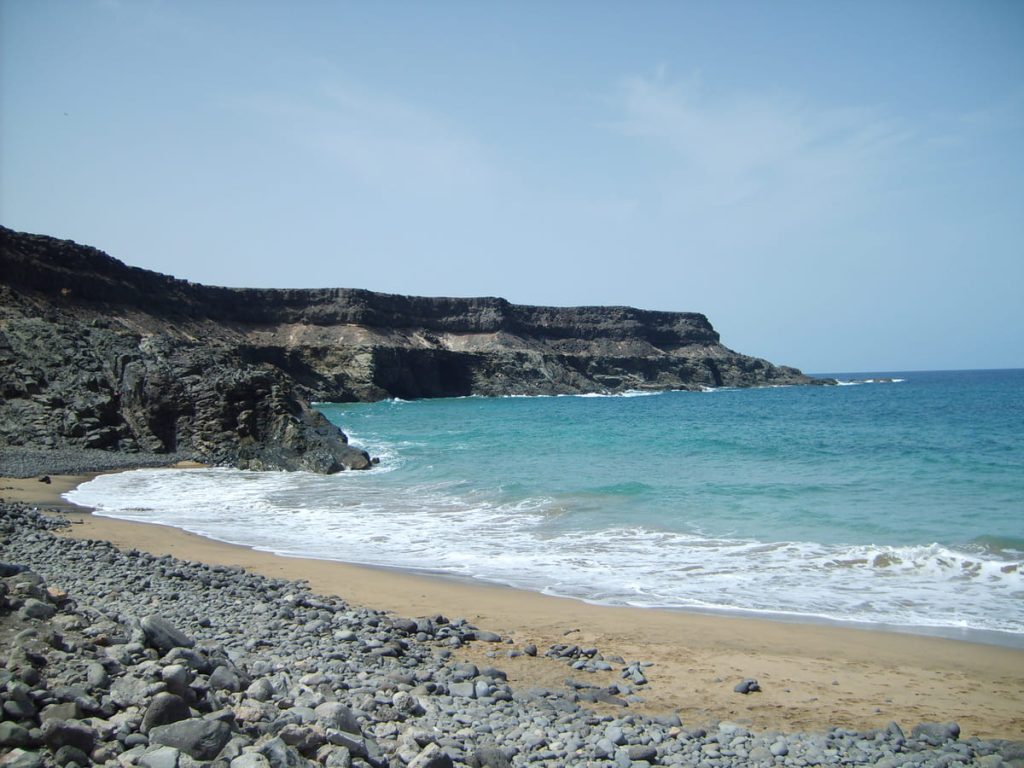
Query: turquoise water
[{"x": 893, "y": 504}]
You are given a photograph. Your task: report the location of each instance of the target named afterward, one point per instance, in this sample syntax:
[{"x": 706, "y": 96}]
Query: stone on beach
[
  {"x": 163, "y": 635},
  {"x": 432, "y": 756},
  {"x": 747, "y": 686},
  {"x": 275, "y": 687},
  {"x": 936, "y": 734},
  {"x": 59, "y": 733},
  {"x": 164, "y": 709},
  {"x": 199, "y": 738},
  {"x": 37, "y": 609},
  {"x": 334, "y": 714}
]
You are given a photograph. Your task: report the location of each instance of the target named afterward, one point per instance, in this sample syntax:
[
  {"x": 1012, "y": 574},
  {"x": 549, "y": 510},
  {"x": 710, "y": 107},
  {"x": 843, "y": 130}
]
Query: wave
[
  {"x": 629, "y": 488},
  {"x": 626, "y": 394},
  {"x": 527, "y": 543},
  {"x": 1000, "y": 546},
  {"x": 389, "y": 454},
  {"x": 856, "y": 382}
]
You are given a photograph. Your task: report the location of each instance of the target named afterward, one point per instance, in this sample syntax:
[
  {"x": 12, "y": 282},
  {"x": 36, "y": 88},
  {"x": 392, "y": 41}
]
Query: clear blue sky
[{"x": 837, "y": 185}]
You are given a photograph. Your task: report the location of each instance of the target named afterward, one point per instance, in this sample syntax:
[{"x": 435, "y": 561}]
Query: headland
[{"x": 96, "y": 354}]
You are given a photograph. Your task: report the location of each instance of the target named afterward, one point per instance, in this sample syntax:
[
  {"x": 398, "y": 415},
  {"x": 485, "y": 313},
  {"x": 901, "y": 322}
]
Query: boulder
[
  {"x": 37, "y": 609},
  {"x": 61, "y": 733},
  {"x": 163, "y": 635},
  {"x": 334, "y": 714},
  {"x": 643, "y": 753},
  {"x": 14, "y": 735},
  {"x": 432, "y": 756},
  {"x": 198, "y": 738},
  {"x": 747, "y": 686},
  {"x": 489, "y": 757},
  {"x": 164, "y": 709},
  {"x": 160, "y": 757},
  {"x": 936, "y": 734}
]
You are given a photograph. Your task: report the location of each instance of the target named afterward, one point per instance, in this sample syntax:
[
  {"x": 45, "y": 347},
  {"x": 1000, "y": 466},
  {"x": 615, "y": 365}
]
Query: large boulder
[
  {"x": 163, "y": 635},
  {"x": 198, "y": 738}
]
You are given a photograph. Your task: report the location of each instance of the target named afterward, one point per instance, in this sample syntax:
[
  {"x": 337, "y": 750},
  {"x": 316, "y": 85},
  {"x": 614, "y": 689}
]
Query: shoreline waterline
[
  {"x": 814, "y": 675},
  {"x": 360, "y": 520},
  {"x": 1014, "y": 641},
  {"x": 970, "y": 636}
]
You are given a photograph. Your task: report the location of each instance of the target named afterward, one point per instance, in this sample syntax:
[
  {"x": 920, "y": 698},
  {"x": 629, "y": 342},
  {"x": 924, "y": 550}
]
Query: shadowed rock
[
  {"x": 96, "y": 354},
  {"x": 198, "y": 738},
  {"x": 164, "y": 709},
  {"x": 164, "y": 636}
]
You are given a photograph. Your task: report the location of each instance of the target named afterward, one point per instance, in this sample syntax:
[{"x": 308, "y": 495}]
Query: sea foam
[
  {"x": 435, "y": 527},
  {"x": 884, "y": 506}
]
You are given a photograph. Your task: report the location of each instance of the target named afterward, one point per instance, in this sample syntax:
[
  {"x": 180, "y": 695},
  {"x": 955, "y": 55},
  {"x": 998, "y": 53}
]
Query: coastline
[{"x": 813, "y": 676}]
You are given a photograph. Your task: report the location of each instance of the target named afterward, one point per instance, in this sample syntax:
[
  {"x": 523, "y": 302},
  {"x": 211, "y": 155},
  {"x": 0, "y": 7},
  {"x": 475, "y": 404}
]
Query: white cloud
[
  {"x": 773, "y": 158},
  {"x": 391, "y": 145}
]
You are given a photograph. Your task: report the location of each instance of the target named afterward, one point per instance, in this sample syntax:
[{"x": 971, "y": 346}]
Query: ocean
[{"x": 893, "y": 501}]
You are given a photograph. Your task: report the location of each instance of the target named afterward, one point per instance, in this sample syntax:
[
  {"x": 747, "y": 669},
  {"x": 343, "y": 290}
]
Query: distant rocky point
[{"x": 97, "y": 354}]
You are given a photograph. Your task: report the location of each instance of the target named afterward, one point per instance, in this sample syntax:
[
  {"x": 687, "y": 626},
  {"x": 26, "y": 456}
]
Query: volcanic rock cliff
[{"x": 94, "y": 353}]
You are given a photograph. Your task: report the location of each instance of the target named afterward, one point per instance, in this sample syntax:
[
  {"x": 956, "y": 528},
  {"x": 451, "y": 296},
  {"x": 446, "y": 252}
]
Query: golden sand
[{"x": 812, "y": 676}]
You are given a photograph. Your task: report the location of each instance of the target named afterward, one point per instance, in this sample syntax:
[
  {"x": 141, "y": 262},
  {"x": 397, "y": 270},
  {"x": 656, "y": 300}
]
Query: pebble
[
  {"x": 747, "y": 686},
  {"x": 207, "y": 664}
]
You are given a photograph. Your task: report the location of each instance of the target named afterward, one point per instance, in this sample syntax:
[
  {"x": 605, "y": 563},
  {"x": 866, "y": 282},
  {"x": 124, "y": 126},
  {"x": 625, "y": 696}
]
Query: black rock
[
  {"x": 334, "y": 714},
  {"x": 489, "y": 757},
  {"x": 936, "y": 734},
  {"x": 61, "y": 733},
  {"x": 23, "y": 759},
  {"x": 280, "y": 755},
  {"x": 486, "y": 636},
  {"x": 37, "y": 609},
  {"x": 163, "y": 636},
  {"x": 432, "y": 756},
  {"x": 644, "y": 753},
  {"x": 747, "y": 686},
  {"x": 198, "y": 738},
  {"x": 19, "y": 706},
  {"x": 164, "y": 709},
  {"x": 405, "y": 626},
  {"x": 202, "y": 372},
  {"x": 161, "y": 757},
  {"x": 68, "y": 755},
  {"x": 66, "y": 710},
  {"x": 224, "y": 678},
  {"x": 305, "y": 739},
  {"x": 14, "y": 735},
  {"x": 1010, "y": 750}
]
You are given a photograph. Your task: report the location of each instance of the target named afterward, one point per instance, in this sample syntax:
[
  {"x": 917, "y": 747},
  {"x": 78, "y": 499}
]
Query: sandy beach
[{"x": 812, "y": 676}]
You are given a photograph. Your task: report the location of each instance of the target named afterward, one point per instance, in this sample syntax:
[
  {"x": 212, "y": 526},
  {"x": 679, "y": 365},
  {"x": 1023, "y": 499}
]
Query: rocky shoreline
[
  {"x": 95, "y": 354},
  {"x": 123, "y": 658},
  {"x": 20, "y": 461}
]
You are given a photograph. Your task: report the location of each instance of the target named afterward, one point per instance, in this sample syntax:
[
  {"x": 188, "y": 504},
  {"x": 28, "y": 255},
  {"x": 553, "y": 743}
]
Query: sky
[{"x": 837, "y": 185}]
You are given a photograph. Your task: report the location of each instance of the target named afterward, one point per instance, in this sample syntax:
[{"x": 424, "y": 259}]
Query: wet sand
[{"x": 812, "y": 676}]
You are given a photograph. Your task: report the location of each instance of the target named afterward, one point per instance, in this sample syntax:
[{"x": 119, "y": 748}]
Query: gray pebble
[{"x": 344, "y": 687}]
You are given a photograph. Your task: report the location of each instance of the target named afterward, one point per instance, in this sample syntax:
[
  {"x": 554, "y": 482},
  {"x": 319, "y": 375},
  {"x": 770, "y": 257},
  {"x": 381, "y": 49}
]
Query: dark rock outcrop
[{"x": 96, "y": 354}]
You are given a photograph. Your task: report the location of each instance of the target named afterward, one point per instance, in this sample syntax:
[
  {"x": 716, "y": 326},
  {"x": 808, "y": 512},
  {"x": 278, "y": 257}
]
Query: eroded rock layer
[{"x": 97, "y": 354}]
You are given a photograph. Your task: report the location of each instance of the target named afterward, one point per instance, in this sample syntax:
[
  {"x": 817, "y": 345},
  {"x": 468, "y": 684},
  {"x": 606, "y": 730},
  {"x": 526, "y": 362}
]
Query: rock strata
[
  {"x": 98, "y": 355},
  {"x": 252, "y": 672}
]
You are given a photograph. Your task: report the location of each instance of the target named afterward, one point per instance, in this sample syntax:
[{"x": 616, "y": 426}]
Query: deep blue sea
[{"x": 892, "y": 504}]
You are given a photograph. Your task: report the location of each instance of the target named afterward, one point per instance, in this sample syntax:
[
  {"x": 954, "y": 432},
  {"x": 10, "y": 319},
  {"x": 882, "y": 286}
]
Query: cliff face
[{"x": 95, "y": 353}]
